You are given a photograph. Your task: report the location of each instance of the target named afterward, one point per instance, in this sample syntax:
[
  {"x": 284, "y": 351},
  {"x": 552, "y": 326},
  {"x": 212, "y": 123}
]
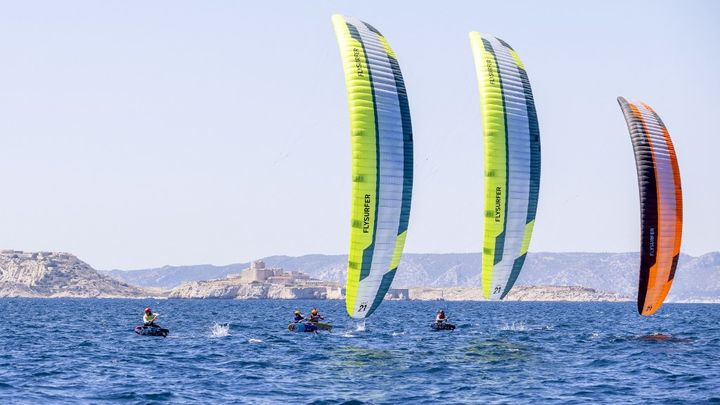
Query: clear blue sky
[{"x": 138, "y": 134}]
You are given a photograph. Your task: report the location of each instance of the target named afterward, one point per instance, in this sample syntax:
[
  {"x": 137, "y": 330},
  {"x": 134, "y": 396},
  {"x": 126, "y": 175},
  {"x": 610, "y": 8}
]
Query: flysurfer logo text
[
  {"x": 366, "y": 214},
  {"x": 498, "y": 198},
  {"x": 652, "y": 242},
  {"x": 491, "y": 75},
  {"x": 358, "y": 62}
]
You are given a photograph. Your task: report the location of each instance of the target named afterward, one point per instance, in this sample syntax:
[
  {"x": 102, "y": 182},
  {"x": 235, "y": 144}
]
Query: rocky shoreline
[
  {"x": 518, "y": 293},
  {"x": 60, "y": 275},
  {"x": 230, "y": 289}
]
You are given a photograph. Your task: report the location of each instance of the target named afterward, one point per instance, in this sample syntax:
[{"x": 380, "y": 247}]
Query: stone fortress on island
[
  {"x": 258, "y": 273},
  {"x": 260, "y": 282}
]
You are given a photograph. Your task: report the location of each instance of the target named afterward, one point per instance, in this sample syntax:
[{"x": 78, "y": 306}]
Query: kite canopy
[
  {"x": 512, "y": 161},
  {"x": 660, "y": 203},
  {"x": 382, "y": 162}
]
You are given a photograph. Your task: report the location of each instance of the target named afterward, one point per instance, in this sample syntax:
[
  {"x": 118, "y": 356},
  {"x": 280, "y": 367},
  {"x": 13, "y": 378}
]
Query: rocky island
[
  {"x": 52, "y": 274},
  {"x": 260, "y": 282}
]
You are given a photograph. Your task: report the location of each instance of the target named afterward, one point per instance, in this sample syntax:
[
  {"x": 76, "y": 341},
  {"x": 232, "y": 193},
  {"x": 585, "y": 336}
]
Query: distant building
[{"x": 259, "y": 273}]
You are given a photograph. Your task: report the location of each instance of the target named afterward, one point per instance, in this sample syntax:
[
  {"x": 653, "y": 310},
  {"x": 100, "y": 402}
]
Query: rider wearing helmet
[
  {"x": 440, "y": 317},
  {"x": 149, "y": 318},
  {"x": 298, "y": 316},
  {"x": 315, "y": 316}
]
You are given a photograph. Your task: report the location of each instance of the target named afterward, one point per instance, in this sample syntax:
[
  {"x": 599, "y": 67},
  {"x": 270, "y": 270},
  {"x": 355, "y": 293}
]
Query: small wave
[
  {"x": 220, "y": 330},
  {"x": 360, "y": 326},
  {"x": 515, "y": 327},
  {"x": 254, "y": 340},
  {"x": 398, "y": 333}
]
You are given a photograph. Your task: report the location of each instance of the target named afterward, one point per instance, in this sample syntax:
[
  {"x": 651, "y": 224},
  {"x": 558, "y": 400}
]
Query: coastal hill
[
  {"x": 50, "y": 274},
  {"x": 697, "y": 279}
]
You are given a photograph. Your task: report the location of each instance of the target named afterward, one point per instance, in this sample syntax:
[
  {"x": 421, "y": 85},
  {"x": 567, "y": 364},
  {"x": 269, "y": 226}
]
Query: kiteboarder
[
  {"x": 440, "y": 317},
  {"x": 441, "y": 322},
  {"x": 149, "y": 318},
  {"x": 315, "y": 317},
  {"x": 298, "y": 316}
]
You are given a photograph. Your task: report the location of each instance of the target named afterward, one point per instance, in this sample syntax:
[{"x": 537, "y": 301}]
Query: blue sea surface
[{"x": 85, "y": 351}]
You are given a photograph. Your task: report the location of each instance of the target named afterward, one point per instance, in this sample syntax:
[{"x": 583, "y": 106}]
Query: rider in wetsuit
[
  {"x": 315, "y": 316},
  {"x": 440, "y": 318},
  {"x": 149, "y": 318}
]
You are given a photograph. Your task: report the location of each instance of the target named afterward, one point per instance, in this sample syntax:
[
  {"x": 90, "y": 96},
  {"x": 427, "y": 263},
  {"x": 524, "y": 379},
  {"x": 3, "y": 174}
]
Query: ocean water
[{"x": 85, "y": 351}]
